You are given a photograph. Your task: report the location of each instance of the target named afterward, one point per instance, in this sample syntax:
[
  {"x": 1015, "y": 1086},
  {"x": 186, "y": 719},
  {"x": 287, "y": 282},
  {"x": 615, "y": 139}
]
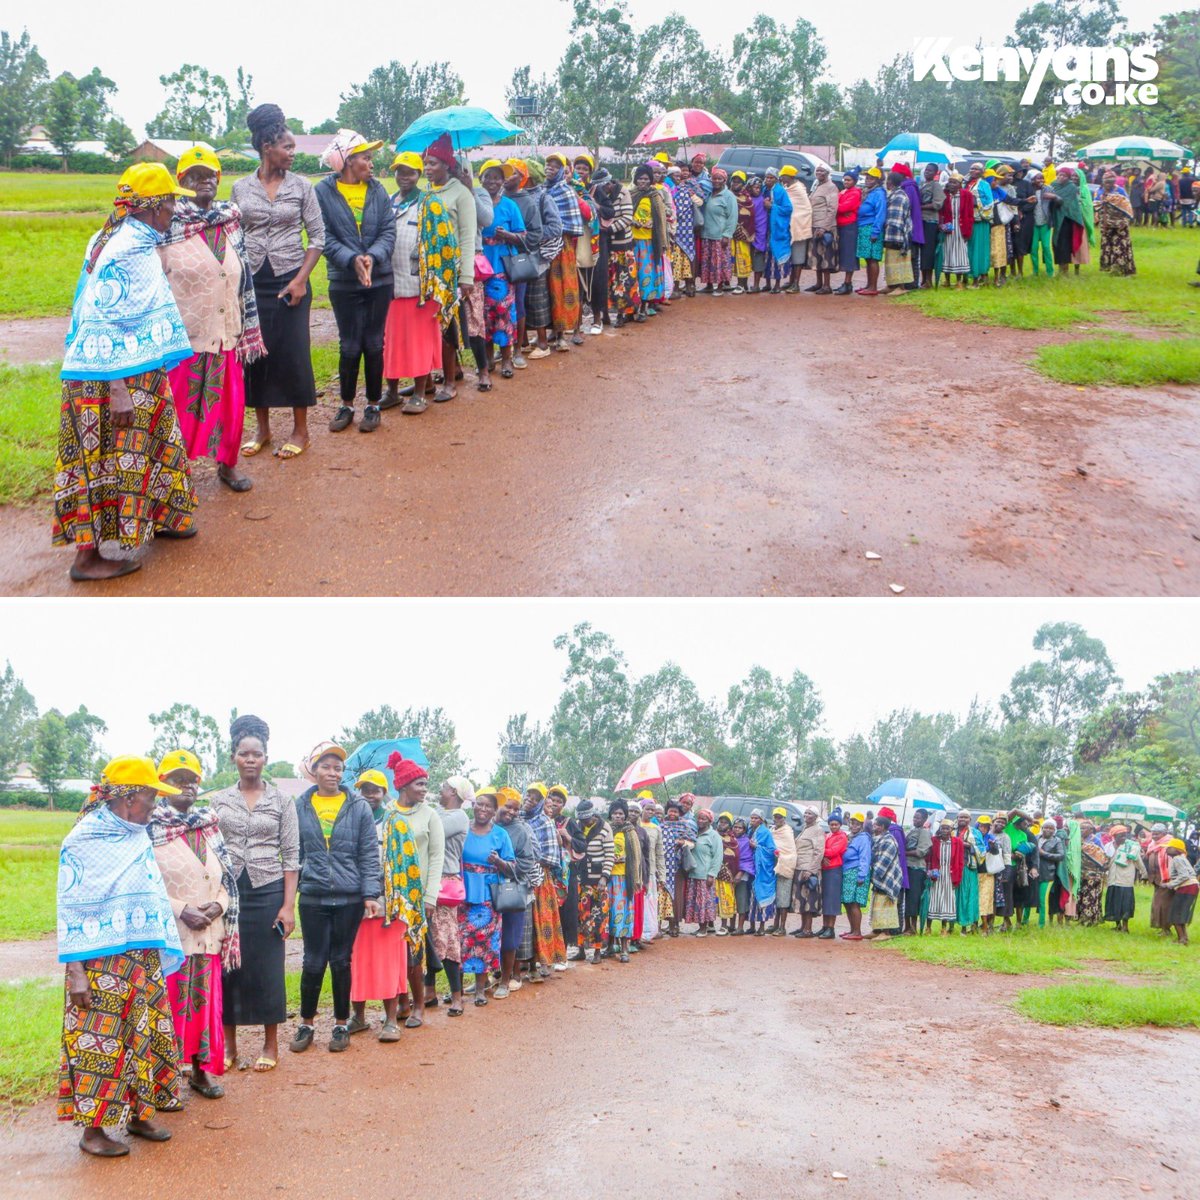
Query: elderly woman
[
  {"x": 504, "y": 237},
  {"x": 801, "y": 223},
  {"x": 1116, "y": 250},
  {"x": 856, "y": 874},
  {"x": 700, "y": 899},
  {"x": 424, "y": 289},
  {"x": 726, "y": 895},
  {"x": 277, "y": 207},
  {"x": 445, "y": 933},
  {"x": 693, "y": 188},
  {"x": 834, "y": 853},
  {"x": 538, "y": 316},
  {"x": 650, "y": 236},
  {"x": 806, "y": 889},
  {"x": 779, "y": 240},
  {"x": 980, "y": 247},
  {"x": 674, "y": 830},
  {"x": 743, "y": 878},
  {"x": 595, "y": 871},
  {"x": 487, "y": 854},
  {"x": 379, "y": 964},
  {"x": 956, "y": 221},
  {"x": 966, "y": 896},
  {"x": 1125, "y": 870},
  {"x": 563, "y": 280},
  {"x": 848, "y": 201},
  {"x": 743, "y": 234},
  {"x": 762, "y": 907},
  {"x": 897, "y": 235},
  {"x": 341, "y": 882},
  {"x": 262, "y": 836},
  {"x": 204, "y": 257},
  {"x": 624, "y": 290},
  {"x": 1070, "y": 230},
  {"x": 516, "y": 927},
  {"x": 785, "y": 868},
  {"x": 198, "y": 872},
  {"x": 360, "y": 235},
  {"x": 823, "y": 248},
  {"x": 121, "y": 475},
  {"x": 1183, "y": 886},
  {"x": 118, "y": 938},
  {"x": 1093, "y": 871},
  {"x": 517, "y": 189},
  {"x": 622, "y": 883},
  {"x": 944, "y": 868},
  {"x": 760, "y": 245},
  {"x": 932, "y": 194},
  {"x": 872, "y": 216},
  {"x": 716, "y": 233},
  {"x": 550, "y": 950},
  {"x": 887, "y": 883}
]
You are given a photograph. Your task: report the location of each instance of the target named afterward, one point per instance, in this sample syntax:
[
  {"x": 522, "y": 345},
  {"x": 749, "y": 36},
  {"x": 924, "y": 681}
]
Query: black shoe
[
  {"x": 816, "y": 287},
  {"x": 844, "y": 290},
  {"x": 342, "y": 419},
  {"x": 303, "y": 1039},
  {"x": 340, "y": 1039},
  {"x": 826, "y": 935},
  {"x": 370, "y": 419}
]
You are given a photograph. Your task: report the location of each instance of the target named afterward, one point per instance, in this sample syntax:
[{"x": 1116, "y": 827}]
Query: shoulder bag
[
  {"x": 993, "y": 862},
  {"x": 522, "y": 267},
  {"x": 508, "y": 895}
]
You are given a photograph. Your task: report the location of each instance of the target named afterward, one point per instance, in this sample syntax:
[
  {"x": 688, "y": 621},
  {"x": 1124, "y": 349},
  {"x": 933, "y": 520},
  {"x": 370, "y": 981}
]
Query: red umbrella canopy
[
  {"x": 680, "y": 125},
  {"x": 658, "y": 766}
]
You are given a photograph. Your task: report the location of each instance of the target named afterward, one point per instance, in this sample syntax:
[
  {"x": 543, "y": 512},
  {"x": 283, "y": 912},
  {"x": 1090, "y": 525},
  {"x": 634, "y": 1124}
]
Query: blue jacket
[
  {"x": 345, "y": 241},
  {"x": 781, "y": 224},
  {"x": 857, "y": 860},
  {"x": 872, "y": 212}
]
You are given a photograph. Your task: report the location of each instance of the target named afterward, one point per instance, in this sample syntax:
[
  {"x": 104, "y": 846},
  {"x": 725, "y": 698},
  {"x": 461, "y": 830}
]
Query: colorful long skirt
[
  {"x": 499, "y": 310},
  {"x": 700, "y": 902},
  {"x": 681, "y": 265},
  {"x": 379, "y": 962},
  {"x": 942, "y": 898},
  {"x": 624, "y": 291},
  {"x": 854, "y": 890},
  {"x": 549, "y": 945},
  {"x": 210, "y": 405},
  {"x": 445, "y": 933},
  {"x": 806, "y": 896},
  {"x": 412, "y": 339},
  {"x": 1091, "y": 891},
  {"x": 593, "y": 916},
  {"x": 726, "y": 903},
  {"x": 760, "y": 912},
  {"x": 119, "y": 486},
  {"x": 1001, "y": 245},
  {"x": 639, "y": 914},
  {"x": 743, "y": 261},
  {"x": 716, "y": 262},
  {"x": 563, "y": 281},
  {"x": 966, "y": 899},
  {"x": 979, "y": 249},
  {"x": 666, "y": 905},
  {"x": 119, "y": 1059},
  {"x": 620, "y": 908},
  {"x": 649, "y": 270},
  {"x": 479, "y": 928},
  {"x": 777, "y": 271},
  {"x": 822, "y": 255},
  {"x": 195, "y": 994},
  {"x": 866, "y": 248},
  {"x": 1116, "y": 250}
]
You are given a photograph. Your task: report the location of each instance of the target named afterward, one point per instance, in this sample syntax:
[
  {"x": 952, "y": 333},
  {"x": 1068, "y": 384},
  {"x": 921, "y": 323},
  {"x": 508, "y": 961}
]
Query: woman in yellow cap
[
  {"x": 360, "y": 235},
  {"x": 1182, "y": 882},
  {"x": 121, "y": 475},
  {"x": 204, "y": 257},
  {"x": 202, "y": 887},
  {"x": 118, "y": 938}
]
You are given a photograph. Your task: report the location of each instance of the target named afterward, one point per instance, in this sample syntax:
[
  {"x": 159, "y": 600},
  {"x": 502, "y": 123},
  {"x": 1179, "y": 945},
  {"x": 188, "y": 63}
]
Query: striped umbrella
[
  {"x": 1134, "y": 147},
  {"x": 658, "y": 766},
  {"x": 1127, "y": 806},
  {"x": 681, "y": 125},
  {"x": 924, "y": 147},
  {"x": 916, "y": 793}
]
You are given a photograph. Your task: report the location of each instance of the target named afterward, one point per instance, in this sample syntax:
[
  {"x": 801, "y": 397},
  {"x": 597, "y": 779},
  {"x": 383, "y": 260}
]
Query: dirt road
[
  {"x": 680, "y": 1074},
  {"x": 735, "y": 446}
]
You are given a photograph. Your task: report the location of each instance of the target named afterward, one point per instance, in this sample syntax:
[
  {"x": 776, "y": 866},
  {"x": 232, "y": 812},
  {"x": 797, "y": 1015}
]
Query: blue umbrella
[
  {"x": 924, "y": 146},
  {"x": 373, "y": 756},
  {"x": 467, "y": 126},
  {"x": 914, "y": 792}
]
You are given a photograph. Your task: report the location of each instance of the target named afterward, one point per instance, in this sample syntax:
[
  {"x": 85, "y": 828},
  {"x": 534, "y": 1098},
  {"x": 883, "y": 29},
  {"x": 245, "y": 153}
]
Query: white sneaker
[
  {"x": 596, "y": 330},
  {"x": 560, "y": 966},
  {"x": 539, "y": 352}
]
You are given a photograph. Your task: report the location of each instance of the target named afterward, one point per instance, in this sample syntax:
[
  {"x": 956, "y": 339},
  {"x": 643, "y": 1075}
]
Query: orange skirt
[
  {"x": 379, "y": 963},
  {"x": 412, "y": 339}
]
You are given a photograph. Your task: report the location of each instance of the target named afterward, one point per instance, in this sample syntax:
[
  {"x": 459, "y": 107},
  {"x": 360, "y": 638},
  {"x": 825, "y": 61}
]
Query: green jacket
[{"x": 706, "y": 855}]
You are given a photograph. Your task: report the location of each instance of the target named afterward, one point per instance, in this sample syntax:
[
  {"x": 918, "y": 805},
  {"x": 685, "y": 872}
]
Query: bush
[
  {"x": 82, "y": 164},
  {"x": 36, "y": 162},
  {"x": 27, "y": 798}
]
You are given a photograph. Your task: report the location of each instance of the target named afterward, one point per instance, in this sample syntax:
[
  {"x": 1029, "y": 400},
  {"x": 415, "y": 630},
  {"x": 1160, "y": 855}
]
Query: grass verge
[
  {"x": 1121, "y": 360},
  {"x": 30, "y": 1031},
  {"x": 23, "y": 827},
  {"x": 30, "y": 872},
  {"x": 1113, "y": 1005}
]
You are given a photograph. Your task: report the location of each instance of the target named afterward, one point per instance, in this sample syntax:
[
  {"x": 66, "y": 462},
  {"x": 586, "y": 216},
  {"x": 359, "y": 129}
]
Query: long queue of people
[{"x": 173, "y": 918}]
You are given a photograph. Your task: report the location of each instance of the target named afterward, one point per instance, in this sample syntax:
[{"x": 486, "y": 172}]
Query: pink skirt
[
  {"x": 412, "y": 340},
  {"x": 210, "y": 404},
  {"x": 195, "y": 994},
  {"x": 379, "y": 963}
]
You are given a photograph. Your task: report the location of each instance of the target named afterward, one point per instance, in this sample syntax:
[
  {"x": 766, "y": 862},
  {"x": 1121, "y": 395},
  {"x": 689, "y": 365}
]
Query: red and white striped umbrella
[
  {"x": 658, "y": 766},
  {"x": 680, "y": 125}
]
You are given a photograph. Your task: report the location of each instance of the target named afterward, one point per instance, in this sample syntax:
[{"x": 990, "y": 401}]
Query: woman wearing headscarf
[
  {"x": 665, "y": 181},
  {"x": 487, "y": 854},
  {"x": 549, "y": 947},
  {"x": 726, "y": 897},
  {"x": 424, "y": 290},
  {"x": 887, "y": 884},
  {"x": 118, "y": 938},
  {"x": 762, "y": 907},
  {"x": 944, "y": 868},
  {"x": 277, "y": 207},
  {"x": 649, "y": 237},
  {"x": 743, "y": 878},
  {"x": 779, "y": 260},
  {"x": 823, "y": 249},
  {"x": 966, "y": 895},
  {"x": 917, "y": 231},
  {"x": 516, "y": 928},
  {"x": 674, "y": 831},
  {"x": 957, "y": 220},
  {"x": 379, "y": 964},
  {"x": 624, "y": 288},
  {"x": 1004, "y": 219},
  {"x": 622, "y": 883},
  {"x": 848, "y": 201},
  {"x": 872, "y": 216},
  {"x": 1125, "y": 870},
  {"x": 1070, "y": 232},
  {"x": 806, "y": 890},
  {"x": 360, "y": 235},
  {"x": 692, "y": 190},
  {"x": 121, "y": 476},
  {"x": 1183, "y": 886},
  {"x": 759, "y": 246},
  {"x": 204, "y": 258},
  {"x": 595, "y": 872},
  {"x": 856, "y": 875},
  {"x": 720, "y": 221},
  {"x": 743, "y": 233},
  {"x": 832, "y": 858},
  {"x": 261, "y": 833},
  {"x": 198, "y": 873},
  {"x": 445, "y": 933},
  {"x": 1093, "y": 872},
  {"x": 537, "y": 293},
  {"x": 566, "y": 882},
  {"x": 897, "y": 235},
  {"x": 785, "y": 868},
  {"x": 516, "y": 189},
  {"x": 801, "y": 223},
  {"x": 582, "y": 168},
  {"x": 1050, "y": 855},
  {"x": 656, "y": 870},
  {"x": 1116, "y": 250},
  {"x": 932, "y": 195},
  {"x": 700, "y": 900},
  {"x": 504, "y": 237},
  {"x": 979, "y": 248},
  {"x": 565, "y": 307},
  {"x": 600, "y": 197},
  {"x": 634, "y": 827}
]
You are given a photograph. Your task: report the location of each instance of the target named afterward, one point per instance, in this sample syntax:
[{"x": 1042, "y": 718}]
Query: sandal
[
  {"x": 128, "y": 566},
  {"x": 484, "y": 385},
  {"x": 210, "y": 1091},
  {"x": 442, "y": 395},
  {"x": 480, "y": 1001},
  {"x": 263, "y": 1063},
  {"x": 413, "y": 1022},
  {"x": 506, "y": 372},
  {"x": 455, "y": 1010},
  {"x": 290, "y": 450},
  {"x": 253, "y": 447}
]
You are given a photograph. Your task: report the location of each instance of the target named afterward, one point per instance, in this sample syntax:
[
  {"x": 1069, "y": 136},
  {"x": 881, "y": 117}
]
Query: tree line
[
  {"x": 773, "y": 87},
  {"x": 1064, "y": 730}
]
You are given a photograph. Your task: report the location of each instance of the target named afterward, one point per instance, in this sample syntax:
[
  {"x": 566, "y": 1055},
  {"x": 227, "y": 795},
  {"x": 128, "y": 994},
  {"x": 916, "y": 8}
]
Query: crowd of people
[
  {"x": 173, "y": 917},
  {"x": 190, "y": 309}
]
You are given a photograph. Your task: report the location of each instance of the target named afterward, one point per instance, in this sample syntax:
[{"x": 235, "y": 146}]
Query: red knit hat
[
  {"x": 888, "y": 813},
  {"x": 901, "y": 168},
  {"x": 441, "y": 148},
  {"x": 404, "y": 770}
]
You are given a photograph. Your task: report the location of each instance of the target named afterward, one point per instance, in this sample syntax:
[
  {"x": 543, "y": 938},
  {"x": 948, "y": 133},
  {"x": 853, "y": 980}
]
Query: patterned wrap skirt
[
  {"x": 681, "y": 264},
  {"x": 716, "y": 262},
  {"x": 854, "y": 890},
  {"x": 649, "y": 270},
  {"x": 806, "y": 896},
  {"x": 195, "y": 994},
  {"x": 624, "y": 291},
  {"x": 479, "y": 928},
  {"x": 563, "y": 281},
  {"x": 726, "y": 901},
  {"x": 865, "y": 247},
  {"x": 444, "y": 929},
  {"x": 777, "y": 271},
  {"x": 700, "y": 902},
  {"x": 666, "y": 906},
  {"x": 210, "y": 405},
  {"x": 1001, "y": 246},
  {"x": 987, "y": 894},
  {"x": 593, "y": 916},
  {"x": 1116, "y": 250},
  {"x": 743, "y": 259},
  {"x": 620, "y": 908},
  {"x": 546, "y": 924},
  {"x": 119, "y": 1058},
  {"x": 500, "y": 310},
  {"x": 537, "y": 303},
  {"x": 824, "y": 256},
  {"x": 885, "y": 913},
  {"x": 897, "y": 267},
  {"x": 118, "y": 486}
]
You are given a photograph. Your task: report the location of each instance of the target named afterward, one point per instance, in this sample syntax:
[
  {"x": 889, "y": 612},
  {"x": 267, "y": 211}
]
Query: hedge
[{"x": 27, "y": 798}]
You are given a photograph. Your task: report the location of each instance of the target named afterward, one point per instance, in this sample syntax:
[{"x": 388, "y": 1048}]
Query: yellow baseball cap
[
  {"x": 787, "y": 170},
  {"x": 147, "y": 179},
  {"x": 739, "y": 175},
  {"x": 540, "y": 788},
  {"x": 779, "y": 812},
  {"x": 874, "y": 172},
  {"x": 859, "y": 816},
  {"x": 179, "y": 760},
  {"x": 131, "y": 770},
  {"x": 560, "y": 789},
  {"x": 410, "y": 159},
  {"x": 1176, "y": 844},
  {"x": 495, "y": 162},
  {"x": 200, "y": 155},
  {"x": 376, "y": 777},
  {"x": 663, "y": 157},
  {"x": 487, "y": 791}
]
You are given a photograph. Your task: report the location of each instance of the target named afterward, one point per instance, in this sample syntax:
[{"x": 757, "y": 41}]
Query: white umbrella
[
  {"x": 1128, "y": 806},
  {"x": 1134, "y": 146},
  {"x": 924, "y": 147}
]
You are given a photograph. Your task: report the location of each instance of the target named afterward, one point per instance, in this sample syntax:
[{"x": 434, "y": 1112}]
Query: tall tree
[
  {"x": 84, "y": 731},
  {"x": 598, "y": 75},
  {"x": 241, "y": 100},
  {"x": 675, "y": 66},
  {"x": 195, "y": 104},
  {"x": 62, "y": 116},
  {"x": 118, "y": 138},
  {"x": 51, "y": 753},
  {"x": 757, "y": 714},
  {"x": 18, "y": 716},
  {"x": 762, "y": 67},
  {"x": 95, "y": 90},
  {"x": 437, "y": 732},
  {"x": 802, "y": 712},
  {"x": 185, "y": 727},
  {"x": 23, "y": 80},
  {"x": 1177, "y": 41},
  {"x": 394, "y": 95}
]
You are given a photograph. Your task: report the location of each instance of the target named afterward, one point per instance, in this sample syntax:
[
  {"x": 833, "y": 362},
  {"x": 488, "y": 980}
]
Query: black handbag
[
  {"x": 508, "y": 896},
  {"x": 521, "y": 267}
]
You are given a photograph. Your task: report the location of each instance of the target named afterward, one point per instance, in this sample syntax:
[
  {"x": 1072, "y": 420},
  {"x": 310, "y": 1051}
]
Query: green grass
[
  {"x": 1113, "y": 1005},
  {"x": 30, "y": 872},
  {"x": 1121, "y": 360},
  {"x": 19, "y": 827},
  {"x": 30, "y": 1033},
  {"x": 32, "y": 191},
  {"x": 42, "y": 257}
]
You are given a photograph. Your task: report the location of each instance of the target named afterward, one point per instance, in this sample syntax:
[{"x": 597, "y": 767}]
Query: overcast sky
[
  {"x": 326, "y": 662},
  {"x": 304, "y": 54}
]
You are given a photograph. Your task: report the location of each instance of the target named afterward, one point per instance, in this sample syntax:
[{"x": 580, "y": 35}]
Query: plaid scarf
[
  {"x": 545, "y": 838},
  {"x": 567, "y": 203},
  {"x": 885, "y": 866},
  {"x": 221, "y": 224},
  {"x": 898, "y": 226},
  {"x": 438, "y": 257},
  {"x": 167, "y": 823}
]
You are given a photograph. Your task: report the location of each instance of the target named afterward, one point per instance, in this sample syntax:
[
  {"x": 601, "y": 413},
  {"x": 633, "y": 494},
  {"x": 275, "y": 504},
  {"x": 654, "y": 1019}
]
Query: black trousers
[
  {"x": 916, "y": 890},
  {"x": 329, "y": 933},
  {"x": 569, "y": 912},
  {"x": 361, "y": 316},
  {"x": 598, "y": 300}
]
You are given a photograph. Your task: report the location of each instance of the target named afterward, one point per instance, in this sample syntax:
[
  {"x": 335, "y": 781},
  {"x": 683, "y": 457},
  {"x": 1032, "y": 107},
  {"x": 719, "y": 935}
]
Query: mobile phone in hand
[{"x": 278, "y": 927}]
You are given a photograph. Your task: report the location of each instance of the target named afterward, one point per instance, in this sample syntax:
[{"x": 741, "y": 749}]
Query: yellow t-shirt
[
  {"x": 327, "y": 809},
  {"x": 619, "y": 848},
  {"x": 355, "y": 195},
  {"x": 645, "y": 214}
]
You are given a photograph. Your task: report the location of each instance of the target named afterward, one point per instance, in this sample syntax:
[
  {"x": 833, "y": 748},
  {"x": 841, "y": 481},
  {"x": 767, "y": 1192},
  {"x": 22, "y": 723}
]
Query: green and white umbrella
[
  {"x": 1121, "y": 806},
  {"x": 1134, "y": 147}
]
